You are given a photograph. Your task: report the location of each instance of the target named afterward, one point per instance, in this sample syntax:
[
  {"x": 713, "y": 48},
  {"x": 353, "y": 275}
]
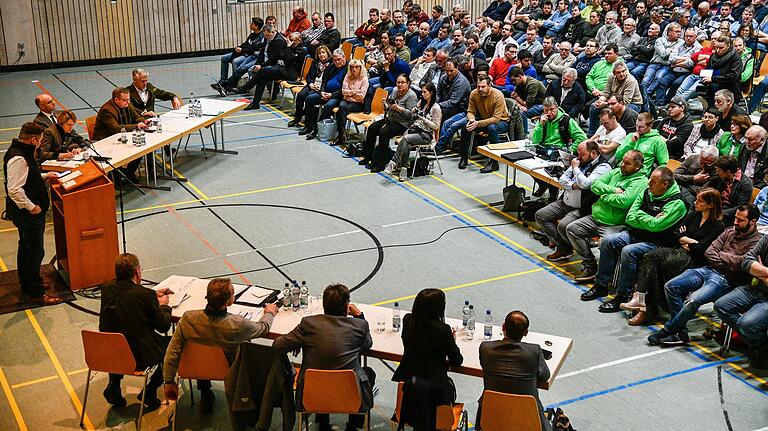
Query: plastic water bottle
[
  {"x": 142, "y": 138},
  {"x": 296, "y": 295},
  {"x": 123, "y": 138},
  {"x": 488, "y": 328},
  {"x": 199, "y": 108},
  {"x": 159, "y": 125},
  {"x": 135, "y": 137},
  {"x": 469, "y": 331},
  {"x": 287, "y": 302},
  {"x": 191, "y": 107},
  {"x": 396, "y": 317},
  {"x": 465, "y": 315},
  {"x": 304, "y": 295},
  {"x": 431, "y": 167}
]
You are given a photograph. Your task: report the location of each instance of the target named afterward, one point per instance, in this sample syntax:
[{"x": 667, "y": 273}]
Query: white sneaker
[{"x": 391, "y": 166}]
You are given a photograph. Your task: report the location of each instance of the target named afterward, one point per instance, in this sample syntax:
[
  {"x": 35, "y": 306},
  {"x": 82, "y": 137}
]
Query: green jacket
[
  {"x": 611, "y": 207},
  {"x": 748, "y": 60},
  {"x": 652, "y": 145},
  {"x": 598, "y": 76},
  {"x": 672, "y": 213},
  {"x": 553, "y": 133},
  {"x": 728, "y": 145}
]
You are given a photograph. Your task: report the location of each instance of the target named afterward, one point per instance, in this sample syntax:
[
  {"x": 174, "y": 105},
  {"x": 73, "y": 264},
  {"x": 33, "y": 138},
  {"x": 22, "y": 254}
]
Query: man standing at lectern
[{"x": 26, "y": 202}]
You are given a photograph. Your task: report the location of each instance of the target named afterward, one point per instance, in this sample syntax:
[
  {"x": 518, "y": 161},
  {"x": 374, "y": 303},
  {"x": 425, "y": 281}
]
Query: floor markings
[
  {"x": 40, "y": 86},
  {"x": 12, "y": 401},
  {"x": 617, "y": 362}
]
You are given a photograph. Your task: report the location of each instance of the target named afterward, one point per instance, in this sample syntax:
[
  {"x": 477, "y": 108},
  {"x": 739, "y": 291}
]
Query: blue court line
[{"x": 748, "y": 382}]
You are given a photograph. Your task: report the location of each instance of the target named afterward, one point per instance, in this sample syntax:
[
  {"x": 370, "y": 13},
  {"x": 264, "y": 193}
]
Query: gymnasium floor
[{"x": 284, "y": 199}]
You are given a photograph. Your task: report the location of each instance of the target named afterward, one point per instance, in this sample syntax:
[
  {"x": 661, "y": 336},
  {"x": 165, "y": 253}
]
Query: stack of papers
[{"x": 179, "y": 285}]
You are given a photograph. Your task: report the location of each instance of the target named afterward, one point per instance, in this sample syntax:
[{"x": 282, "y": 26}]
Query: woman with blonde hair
[
  {"x": 353, "y": 91},
  {"x": 314, "y": 79}
]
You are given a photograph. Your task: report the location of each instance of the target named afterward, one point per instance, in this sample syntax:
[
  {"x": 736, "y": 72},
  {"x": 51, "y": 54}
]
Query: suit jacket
[
  {"x": 45, "y": 120},
  {"x": 330, "y": 38},
  {"x": 134, "y": 311},
  {"x": 758, "y": 179},
  {"x": 111, "y": 119},
  {"x": 55, "y": 141},
  {"x": 684, "y": 178},
  {"x": 275, "y": 51},
  {"x": 513, "y": 367},
  {"x": 574, "y": 100},
  {"x": 153, "y": 93},
  {"x": 330, "y": 343}
]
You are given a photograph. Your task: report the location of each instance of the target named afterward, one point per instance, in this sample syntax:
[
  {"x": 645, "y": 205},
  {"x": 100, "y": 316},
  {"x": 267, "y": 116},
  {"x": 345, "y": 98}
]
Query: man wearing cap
[{"x": 676, "y": 127}]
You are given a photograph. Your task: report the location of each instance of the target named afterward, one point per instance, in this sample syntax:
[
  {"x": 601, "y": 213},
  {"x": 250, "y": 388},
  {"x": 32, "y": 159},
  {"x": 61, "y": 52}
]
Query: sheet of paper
[
  {"x": 255, "y": 295},
  {"x": 706, "y": 73},
  {"x": 70, "y": 177},
  {"x": 250, "y": 313},
  {"x": 179, "y": 285}
]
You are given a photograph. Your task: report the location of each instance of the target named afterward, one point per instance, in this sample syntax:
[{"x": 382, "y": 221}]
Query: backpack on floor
[
  {"x": 560, "y": 421},
  {"x": 422, "y": 166},
  {"x": 514, "y": 197}
]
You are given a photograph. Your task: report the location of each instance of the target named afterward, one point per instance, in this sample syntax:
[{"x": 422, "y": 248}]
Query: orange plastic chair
[
  {"x": 108, "y": 352},
  {"x": 755, "y": 192},
  {"x": 347, "y": 48},
  {"x": 331, "y": 391},
  {"x": 449, "y": 418},
  {"x": 377, "y": 108},
  {"x": 202, "y": 362},
  {"x": 673, "y": 164},
  {"x": 358, "y": 53},
  {"x": 504, "y": 412},
  {"x": 295, "y": 88},
  {"x": 90, "y": 123}
]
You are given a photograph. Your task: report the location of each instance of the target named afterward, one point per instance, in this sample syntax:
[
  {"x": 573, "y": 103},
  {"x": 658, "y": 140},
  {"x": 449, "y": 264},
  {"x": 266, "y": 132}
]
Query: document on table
[
  {"x": 255, "y": 296},
  {"x": 250, "y": 313},
  {"x": 534, "y": 163},
  {"x": 179, "y": 285}
]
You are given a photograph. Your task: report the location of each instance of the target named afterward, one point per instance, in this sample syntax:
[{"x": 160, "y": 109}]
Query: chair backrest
[
  {"x": 203, "y": 362},
  {"x": 763, "y": 68},
  {"x": 331, "y": 391},
  {"x": 108, "y": 352},
  {"x": 90, "y": 123},
  {"x": 755, "y": 192},
  {"x": 706, "y": 43},
  {"x": 307, "y": 65},
  {"x": 447, "y": 418},
  {"x": 358, "y": 53},
  {"x": 377, "y": 103},
  {"x": 347, "y": 48},
  {"x": 673, "y": 164},
  {"x": 504, "y": 412}
]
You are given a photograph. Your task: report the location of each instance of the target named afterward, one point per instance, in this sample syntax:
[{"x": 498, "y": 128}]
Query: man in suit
[
  {"x": 565, "y": 90},
  {"x": 47, "y": 115},
  {"x": 513, "y": 366},
  {"x": 118, "y": 114},
  {"x": 330, "y": 36},
  {"x": 351, "y": 337},
  {"x": 752, "y": 158},
  {"x": 139, "y": 314},
  {"x": 143, "y": 94},
  {"x": 266, "y": 68}
]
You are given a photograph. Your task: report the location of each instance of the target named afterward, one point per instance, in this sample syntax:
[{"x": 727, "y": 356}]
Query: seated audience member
[
  {"x": 554, "y": 67},
  {"x": 628, "y": 39},
  {"x": 734, "y": 187},
  {"x": 727, "y": 62},
  {"x": 531, "y": 42},
  {"x": 350, "y": 336},
  {"x": 327, "y": 97},
  {"x": 597, "y": 79},
  {"x": 271, "y": 20},
  {"x": 488, "y": 45},
  {"x": 330, "y": 36},
  {"x": 567, "y": 91},
  {"x": 544, "y": 16},
  {"x": 699, "y": 228},
  {"x": 417, "y": 44},
  {"x": 437, "y": 21},
  {"x": 620, "y": 84},
  {"x": 391, "y": 68},
  {"x": 497, "y": 10},
  {"x": 442, "y": 41},
  {"x": 385, "y": 24},
  {"x": 760, "y": 203},
  {"x": 473, "y": 48},
  {"x": 398, "y": 107},
  {"x": 374, "y": 56},
  {"x": 616, "y": 191},
  {"x": 458, "y": 46},
  {"x": 609, "y": 135},
  {"x": 470, "y": 67},
  {"x": 648, "y": 142},
  {"x": 213, "y": 326},
  {"x": 143, "y": 94},
  {"x": 734, "y": 141},
  {"x": 314, "y": 80},
  {"x": 353, "y": 91},
  {"x": 367, "y": 30},
  {"x": 576, "y": 200},
  {"x": 312, "y": 33},
  {"x": 429, "y": 349},
  {"x": 589, "y": 30},
  {"x": 541, "y": 56},
  {"x": 286, "y": 66},
  {"x": 118, "y": 114},
  {"x": 626, "y": 117},
  {"x": 752, "y": 158},
  {"x": 680, "y": 66},
  {"x": 401, "y": 51},
  {"x": 696, "y": 287},
  {"x": 452, "y": 90},
  {"x": 242, "y": 58},
  {"x": 525, "y": 17},
  {"x": 528, "y": 92},
  {"x": 483, "y": 28},
  {"x": 704, "y": 133},
  {"x": 426, "y": 120},
  {"x": 272, "y": 51},
  {"x": 643, "y": 51},
  {"x": 440, "y": 59},
  {"x": 487, "y": 112},
  {"x": 139, "y": 314},
  {"x": 743, "y": 309},
  {"x": 653, "y": 219},
  {"x": 506, "y": 39},
  {"x": 513, "y": 366},
  {"x": 665, "y": 47},
  {"x": 676, "y": 127},
  {"x": 574, "y": 25},
  {"x": 698, "y": 62},
  {"x": 548, "y": 135},
  {"x": 556, "y": 23},
  {"x": 609, "y": 33},
  {"x": 465, "y": 24},
  {"x": 724, "y": 103},
  {"x": 60, "y": 141},
  {"x": 298, "y": 22},
  {"x": 423, "y": 69},
  {"x": 695, "y": 171},
  {"x": 47, "y": 106},
  {"x": 399, "y": 25},
  {"x": 586, "y": 61},
  {"x": 501, "y": 66}
]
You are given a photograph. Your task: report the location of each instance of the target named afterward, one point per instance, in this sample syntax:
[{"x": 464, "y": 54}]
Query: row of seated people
[{"x": 430, "y": 348}]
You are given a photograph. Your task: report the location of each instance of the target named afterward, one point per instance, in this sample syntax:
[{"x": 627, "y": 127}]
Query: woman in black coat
[{"x": 314, "y": 79}]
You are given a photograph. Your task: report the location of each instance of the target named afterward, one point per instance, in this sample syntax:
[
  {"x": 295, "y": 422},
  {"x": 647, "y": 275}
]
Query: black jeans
[
  {"x": 301, "y": 98},
  {"x": 260, "y": 79},
  {"x": 344, "y": 109},
  {"x": 30, "y": 253},
  {"x": 379, "y": 155}
]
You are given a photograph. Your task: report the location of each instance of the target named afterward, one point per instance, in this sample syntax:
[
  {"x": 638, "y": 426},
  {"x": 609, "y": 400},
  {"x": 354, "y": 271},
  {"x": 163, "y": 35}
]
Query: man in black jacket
[
  {"x": 330, "y": 37},
  {"x": 735, "y": 188},
  {"x": 269, "y": 64},
  {"x": 676, "y": 127},
  {"x": 143, "y": 94},
  {"x": 642, "y": 52},
  {"x": 270, "y": 50},
  {"x": 752, "y": 158},
  {"x": 139, "y": 314},
  {"x": 567, "y": 91},
  {"x": 725, "y": 63},
  {"x": 242, "y": 57}
]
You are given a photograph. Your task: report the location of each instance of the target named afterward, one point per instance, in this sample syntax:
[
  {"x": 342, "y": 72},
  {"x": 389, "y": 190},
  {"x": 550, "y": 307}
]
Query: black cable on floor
[{"x": 722, "y": 397}]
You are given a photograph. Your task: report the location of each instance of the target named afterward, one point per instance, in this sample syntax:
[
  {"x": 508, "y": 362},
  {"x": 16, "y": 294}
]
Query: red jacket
[
  {"x": 297, "y": 26},
  {"x": 498, "y": 70},
  {"x": 367, "y": 30},
  {"x": 695, "y": 57}
]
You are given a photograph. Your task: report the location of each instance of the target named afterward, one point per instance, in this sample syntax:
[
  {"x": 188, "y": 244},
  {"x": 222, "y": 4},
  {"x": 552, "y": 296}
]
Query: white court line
[
  {"x": 616, "y": 362},
  {"x": 762, "y": 429},
  {"x": 238, "y": 123}
]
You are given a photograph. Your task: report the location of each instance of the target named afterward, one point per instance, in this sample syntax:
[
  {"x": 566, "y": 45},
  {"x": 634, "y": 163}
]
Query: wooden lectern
[{"x": 85, "y": 226}]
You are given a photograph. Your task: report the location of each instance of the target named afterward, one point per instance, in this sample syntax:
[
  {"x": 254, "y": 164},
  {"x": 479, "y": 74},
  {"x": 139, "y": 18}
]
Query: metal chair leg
[
  {"x": 437, "y": 160},
  {"x": 191, "y": 392},
  {"x": 366, "y": 421},
  {"x": 85, "y": 399},
  {"x": 143, "y": 396},
  {"x": 202, "y": 142}
]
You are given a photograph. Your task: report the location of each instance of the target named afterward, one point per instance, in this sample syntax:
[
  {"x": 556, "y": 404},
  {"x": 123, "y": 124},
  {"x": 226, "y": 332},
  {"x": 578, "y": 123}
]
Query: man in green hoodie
[
  {"x": 616, "y": 192},
  {"x": 648, "y": 141},
  {"x": 653, "y": 220}
]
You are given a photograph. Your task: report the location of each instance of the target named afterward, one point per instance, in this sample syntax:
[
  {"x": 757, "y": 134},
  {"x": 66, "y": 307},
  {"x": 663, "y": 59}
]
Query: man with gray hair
[
  {"x": 143, "y": 94},
  {"x": 567, "y": 91},
  {"x": 666, "y": 49},
  {"x": 620, "y": 84},
  {"x": 695, "y": 171},
  {"x": 555, "y": 65},
  {"x": 628, "y": 39},
  {"x": 752, "y": 158},
  {"x": 609, "y": 33}
]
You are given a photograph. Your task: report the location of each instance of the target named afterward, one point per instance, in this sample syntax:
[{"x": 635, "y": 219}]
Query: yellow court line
[
  {"x": 461, "y": 286},
  {"x": 80, "y": 371},
  {"x": 59, "y": 369},
  {"x": 737, "y": 367},
  {"x": 189, "y": 183},
  {"x": 33, "y": 382},
  {"x": 498, "y": 174},
  {"x": 12, "y": 402},
  {"x": 3, "y": 266}
]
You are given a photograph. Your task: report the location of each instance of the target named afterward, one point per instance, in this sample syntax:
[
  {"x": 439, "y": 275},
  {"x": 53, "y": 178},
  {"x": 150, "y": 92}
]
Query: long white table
[
  {"x": 534, "y": 167},
  {"x": 386, "y": 345}
]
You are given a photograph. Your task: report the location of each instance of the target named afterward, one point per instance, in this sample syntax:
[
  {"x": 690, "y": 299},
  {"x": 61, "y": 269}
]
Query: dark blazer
[
  {"x": 330, "y": 38},
  {"x": 275, "y": 51},
  {"x": 330, "y": 343},
  {"x": 574, "y": 100},
  {"x": 55, "y": 141},
  {"x": 758, "y": 179},
  {"x": 429, "y": 350},
  {"x": 293, "y": 62},
  {"x": 741, "y": 193},
  {"x": 111, "y": 119},
  {"x": 154, "y": 93},
  {"x": 251, "y": 44},
  {"x": 684, "y": 178},
  {"x": 44, "y": 120},
  {"x": 513, "y": 367},
  {"x": 727, "y": 72},
  {"x": 134, "y": 311}
]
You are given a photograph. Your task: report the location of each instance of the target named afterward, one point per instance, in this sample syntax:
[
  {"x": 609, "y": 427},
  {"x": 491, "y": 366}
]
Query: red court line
[{"x": 39, "y": 85}]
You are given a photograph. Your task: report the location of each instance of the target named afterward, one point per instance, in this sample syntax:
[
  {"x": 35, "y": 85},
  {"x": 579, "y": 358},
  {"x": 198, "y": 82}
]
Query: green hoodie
[
  {"x": 672, "y": 212},
  {"x": 611, "y": 207},
  {"x": 598, "y": 76},
  {"x": 652, "y": 145},
  {"x": 553, "y": 133}
]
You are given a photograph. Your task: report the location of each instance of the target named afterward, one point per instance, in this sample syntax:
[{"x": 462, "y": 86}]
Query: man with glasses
[
  {"x": 620, "y": 84},
  {"x": 586, "y": 61},
  {"x": 458, "y": 46},
  {"x": 724, "y": 102},
  {"x": 500, "y": 68},
  {"x": 752, "y": 158},
  {"x": 567, "y": 92},
  {"x": 609, "y": 33},
  {"x": 556, "y": 64},
  {"x": 47, "y": 106},
  {"x": 628, "y": 39}
]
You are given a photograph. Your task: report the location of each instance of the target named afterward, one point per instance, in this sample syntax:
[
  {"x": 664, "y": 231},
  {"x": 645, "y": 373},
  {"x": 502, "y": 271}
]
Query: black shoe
[
  {"x": 113, "y": 395},
  {"x": 206, "y": 401},
  {"x": 463, "y": 162},
  {"x": 595, "y": 292},
  {"x": 655, "y": 338},
  {"x": 539, "y": 192},
  {"x": 293, "y": 123},
  {"x": 363, "y": 161},
  {"x": 151, "y": 404},
  {"x": 489, "y": 167},
  {"x": 219, "y": 89},
  {"x": 252, "y": 106},
  {"x": 304, "y": 131},
  {"x": 613, "y": 306},
  {"x": 677, "y": 339},
  {"x": 324, "y": 427},
  {"x": 312, "y": 135},
  {"x": 376, "y": 169}
]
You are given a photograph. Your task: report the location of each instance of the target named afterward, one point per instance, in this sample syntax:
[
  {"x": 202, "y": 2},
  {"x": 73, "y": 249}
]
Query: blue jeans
[
  {"x": 704, "y": 286},
  {"x": 493, "y": 130},
  {"x": 617, "y": 249},
  {"x": 745, "y": 310},
  {"x": 757, "y": 95},
  {"x": 664, "y": 78},
  {"x": 649, "y": 83},
  {"x": 450, "y": 127},
  {"x": 637, "y": 69},
  {"x": 225, "y": 60},
  {"x": 688, "y": 88},
  {"x": 594, "y": 119}
]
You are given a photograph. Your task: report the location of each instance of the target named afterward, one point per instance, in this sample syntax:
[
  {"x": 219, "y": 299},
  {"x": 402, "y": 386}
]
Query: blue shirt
[{"x": 417, "y": 47}]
